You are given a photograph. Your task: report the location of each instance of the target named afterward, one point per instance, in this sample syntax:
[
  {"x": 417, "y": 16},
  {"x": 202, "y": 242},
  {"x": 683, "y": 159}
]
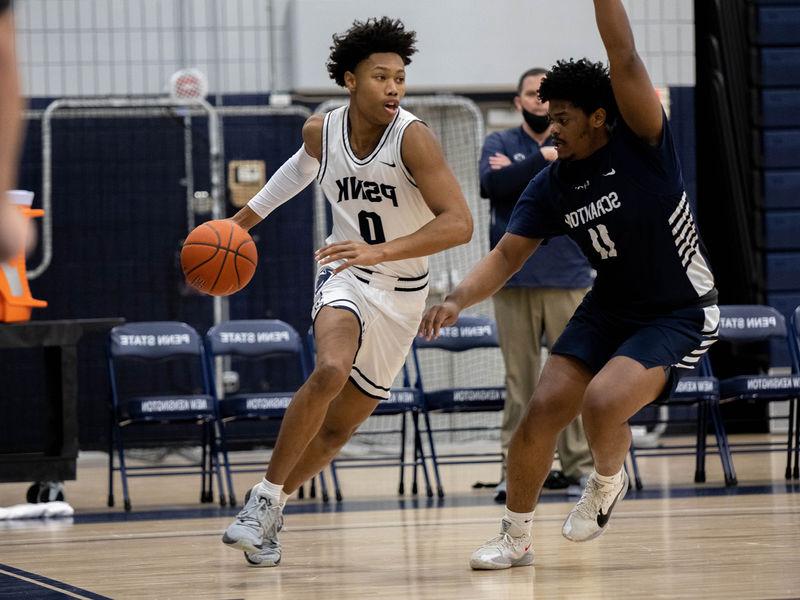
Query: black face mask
[{"x": 539, "y": 123}]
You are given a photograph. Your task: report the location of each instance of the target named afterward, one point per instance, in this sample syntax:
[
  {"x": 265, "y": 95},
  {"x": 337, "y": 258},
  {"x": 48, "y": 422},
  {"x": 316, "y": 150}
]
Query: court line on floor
[
  {"x": 41, "y": 581},
  {"x": 349, "y": 506},
  {"x": 625, "y": 515}
]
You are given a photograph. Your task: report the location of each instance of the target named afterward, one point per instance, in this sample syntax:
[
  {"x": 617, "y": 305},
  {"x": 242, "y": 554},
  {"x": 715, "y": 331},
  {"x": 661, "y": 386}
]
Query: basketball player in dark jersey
[{"x": 617, "y": 191}]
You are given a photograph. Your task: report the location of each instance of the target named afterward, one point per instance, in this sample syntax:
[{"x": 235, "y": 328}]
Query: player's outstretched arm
[
  {"x": 291, "y": 179},
  {"x": 637, "y": 99},
  {"x": 452, "y": 225},
  {"x": 485, "y": 278}
]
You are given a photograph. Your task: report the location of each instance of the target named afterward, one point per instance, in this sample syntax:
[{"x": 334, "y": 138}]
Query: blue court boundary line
[
  {"x": 403, "y": 502},
  {"x": 59, "y": 585}
]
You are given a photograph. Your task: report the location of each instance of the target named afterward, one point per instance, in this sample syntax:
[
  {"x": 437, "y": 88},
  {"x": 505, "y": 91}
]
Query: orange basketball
[{"x": 219, "y": 258}]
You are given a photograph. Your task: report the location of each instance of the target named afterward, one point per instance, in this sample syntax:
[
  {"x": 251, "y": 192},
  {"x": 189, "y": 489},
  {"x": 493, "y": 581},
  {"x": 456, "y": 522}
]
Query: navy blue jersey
[
  {"x": 626, "y": 207},
  {"x": 559, "y": 264}
]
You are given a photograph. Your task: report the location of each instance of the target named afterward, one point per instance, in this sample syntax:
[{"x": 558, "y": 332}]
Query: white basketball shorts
[{"x": 389, "y": 320}]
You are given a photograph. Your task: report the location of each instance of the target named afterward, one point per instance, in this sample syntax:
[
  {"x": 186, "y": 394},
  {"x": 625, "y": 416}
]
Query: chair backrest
[
  {"x": 469, "y": 332},
  {"x": 750, "y": 323},
  {"x": 154, "y": 340},
  {"x": 253, "y": 338}
]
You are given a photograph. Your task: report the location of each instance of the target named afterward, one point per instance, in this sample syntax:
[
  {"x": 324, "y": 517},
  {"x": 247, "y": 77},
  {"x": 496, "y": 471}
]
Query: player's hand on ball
[
  {"x": 352, "y": 253},
  {"x": 438, "y": 316}
]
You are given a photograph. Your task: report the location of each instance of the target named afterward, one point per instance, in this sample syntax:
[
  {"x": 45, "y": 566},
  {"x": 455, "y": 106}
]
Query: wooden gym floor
[{"x": 674, "y": 539}]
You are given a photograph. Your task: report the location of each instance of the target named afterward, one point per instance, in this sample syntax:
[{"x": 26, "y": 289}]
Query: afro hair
[
  {"x": 584, "y": 83},
  {"x": 368, "y": 37}
]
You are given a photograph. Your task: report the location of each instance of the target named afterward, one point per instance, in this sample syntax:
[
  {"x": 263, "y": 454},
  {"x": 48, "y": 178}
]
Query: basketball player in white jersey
[{"x": 394, "y": 201}]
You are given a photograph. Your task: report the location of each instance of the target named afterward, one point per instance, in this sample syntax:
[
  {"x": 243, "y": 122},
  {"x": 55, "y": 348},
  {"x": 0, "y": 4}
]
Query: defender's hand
[
  {"x": 438, "y": 316},
  {"x": 353, "y": 253}
]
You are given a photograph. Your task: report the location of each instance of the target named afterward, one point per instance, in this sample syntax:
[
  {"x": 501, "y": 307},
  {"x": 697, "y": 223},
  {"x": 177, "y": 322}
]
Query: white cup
[{"x": 20, "y": 197}]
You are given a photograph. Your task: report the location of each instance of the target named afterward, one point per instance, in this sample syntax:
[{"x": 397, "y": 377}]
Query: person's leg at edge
[
  {"x": 621, "y": 388},
  {"x": 556, "y": 401}
]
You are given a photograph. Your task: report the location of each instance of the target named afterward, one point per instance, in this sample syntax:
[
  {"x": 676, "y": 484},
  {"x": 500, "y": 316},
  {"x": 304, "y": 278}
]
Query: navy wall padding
[
  {"x": 781, "y": 148},
  {"x": 782, "y": 230},
  {"x": 780, "y": 67},
  {"x": 782, "y": 189},
  {"x": 783, "y": 273},
  {"x": 778, "y": 25},
  {"x": 780, "y": 107}
]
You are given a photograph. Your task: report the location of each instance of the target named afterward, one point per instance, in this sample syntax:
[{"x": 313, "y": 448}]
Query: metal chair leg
[
  {"x": 110, "y": 499},
  {"x": 700, "y": 445},
  {"x": 722, "y": 444},
  {"x": 335, "y": 477},
  {"x": 637, "y": 479},
  {"x": 790, "y": 440},
  {"x": 401, "y": 484},
  {"x": 126, "y": 499},
  {"x": 434, "y": 457}
]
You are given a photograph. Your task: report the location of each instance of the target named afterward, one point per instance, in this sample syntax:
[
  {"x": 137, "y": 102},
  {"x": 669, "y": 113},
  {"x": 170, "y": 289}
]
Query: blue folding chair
[
  {"x": 794, "y": 413},
  {"x": 741, "y": 324},
  {"x": 255, "y": 341},
  {"x": 148, "y": 343},
  {"x": 468, "y": 334}
]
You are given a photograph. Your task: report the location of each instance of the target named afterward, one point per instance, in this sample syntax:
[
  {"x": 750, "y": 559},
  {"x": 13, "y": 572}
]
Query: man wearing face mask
[{"x": 543, "y": 295}]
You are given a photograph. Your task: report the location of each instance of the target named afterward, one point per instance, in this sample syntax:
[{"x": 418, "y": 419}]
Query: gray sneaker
[
  {"x": 259, "y": 516},
  {"x": 270, "y": 553}
]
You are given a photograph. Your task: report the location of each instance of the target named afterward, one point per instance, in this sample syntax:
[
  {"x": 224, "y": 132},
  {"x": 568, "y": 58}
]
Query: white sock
[
  {"x": 270, "y": 490},
  {"x": 283, "y": 498},
  {"x": 519, "y": 523},
  {"x": 609, "y": 479}
]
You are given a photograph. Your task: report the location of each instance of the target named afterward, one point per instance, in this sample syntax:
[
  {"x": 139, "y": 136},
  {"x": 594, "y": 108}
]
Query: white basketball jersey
[{"x": 374, "y": 199}]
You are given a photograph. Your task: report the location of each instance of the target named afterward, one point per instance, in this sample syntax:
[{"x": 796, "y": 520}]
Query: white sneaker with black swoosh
[
  {"x": 503, "y": 551},
  {"x": 590, "y": 516}
]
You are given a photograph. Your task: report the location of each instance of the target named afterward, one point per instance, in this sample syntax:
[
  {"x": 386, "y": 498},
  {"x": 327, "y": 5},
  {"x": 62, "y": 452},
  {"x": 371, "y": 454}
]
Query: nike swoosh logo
[
  {"x": 528, "y": 547},
  {"x": 609, "y": 174},
  {"x": 391, "y": 164},
  {"x": 602, "y": 518}
]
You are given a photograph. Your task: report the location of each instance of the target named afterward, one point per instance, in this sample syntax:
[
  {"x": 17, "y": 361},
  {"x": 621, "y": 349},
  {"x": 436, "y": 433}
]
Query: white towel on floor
[{"x": 41, "y": 510}]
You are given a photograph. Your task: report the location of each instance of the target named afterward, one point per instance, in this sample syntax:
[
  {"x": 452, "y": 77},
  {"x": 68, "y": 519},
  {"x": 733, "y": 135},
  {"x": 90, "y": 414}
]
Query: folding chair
[
  {"x": 741, "y": 324},
  {"x": 254, "y": 341},
  {"x": 149, "y": 343},
  {"x": 470, "y": 333}
]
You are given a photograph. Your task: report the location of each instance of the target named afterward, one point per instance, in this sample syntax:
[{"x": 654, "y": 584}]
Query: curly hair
[
  {"x": 584, "y": 83},
  {"x": 365, "y": 38}
]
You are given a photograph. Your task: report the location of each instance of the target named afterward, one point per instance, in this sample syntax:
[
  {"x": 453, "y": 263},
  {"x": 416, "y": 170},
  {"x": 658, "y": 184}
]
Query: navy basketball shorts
[{"x": 675, "y": 340}]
